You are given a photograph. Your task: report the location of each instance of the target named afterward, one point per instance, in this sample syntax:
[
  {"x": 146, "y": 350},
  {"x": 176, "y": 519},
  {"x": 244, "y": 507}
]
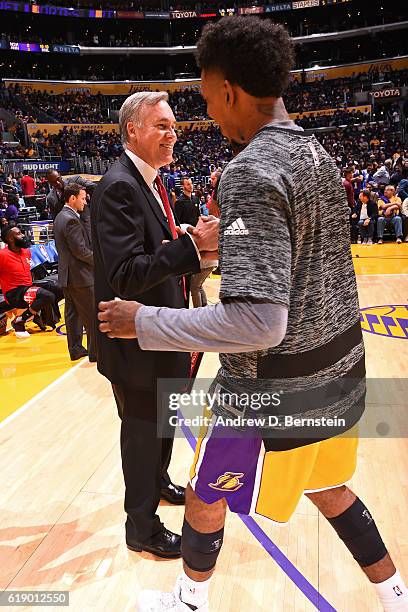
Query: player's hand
[
  {"x": 118, "y": 318},
  {"x": 206, "y": 218},
  {"x": 205, "y": 234}
]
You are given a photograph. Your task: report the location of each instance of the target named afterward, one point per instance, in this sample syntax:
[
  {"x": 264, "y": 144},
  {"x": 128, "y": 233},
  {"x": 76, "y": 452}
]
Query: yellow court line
[
  {"x": 380, "y": 259},
  {"x": 39, "y": 395},
  {"x": 29, "y": 365}
]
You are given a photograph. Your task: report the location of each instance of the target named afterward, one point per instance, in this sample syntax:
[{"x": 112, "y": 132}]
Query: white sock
[
  {"x": 192, "y": 592},
  {"x": 392, "y": 593}
]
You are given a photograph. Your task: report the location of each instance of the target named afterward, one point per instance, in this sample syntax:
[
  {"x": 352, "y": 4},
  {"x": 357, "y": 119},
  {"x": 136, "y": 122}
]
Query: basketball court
[{"x": 62, "y": 518}]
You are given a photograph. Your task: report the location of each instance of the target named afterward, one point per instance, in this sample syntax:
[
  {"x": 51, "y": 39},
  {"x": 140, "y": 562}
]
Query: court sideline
[{"x": 62, "y": 517}]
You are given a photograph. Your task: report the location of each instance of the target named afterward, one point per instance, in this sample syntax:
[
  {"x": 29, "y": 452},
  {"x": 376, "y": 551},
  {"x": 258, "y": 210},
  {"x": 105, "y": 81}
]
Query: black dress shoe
[
  {"x": 164, "y": 544},
  {"x": 174, "y": 494},
  {"x": 79, "y": 355},
  {"x": 38, "y": 321}
]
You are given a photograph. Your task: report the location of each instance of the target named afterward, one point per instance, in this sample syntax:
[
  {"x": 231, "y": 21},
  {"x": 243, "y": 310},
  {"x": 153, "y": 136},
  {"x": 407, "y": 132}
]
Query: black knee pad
[
  {"x": 357, "y": 529},
  {"x": 200, "y": 550}
]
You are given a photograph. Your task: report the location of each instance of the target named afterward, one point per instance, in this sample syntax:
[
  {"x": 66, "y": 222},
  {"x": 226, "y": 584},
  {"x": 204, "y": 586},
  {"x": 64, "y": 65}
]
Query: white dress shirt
[
  {"x": 70, "y": 208},
  {"x": 363, "y": 213},
  {"x": 149, "y": 175}
]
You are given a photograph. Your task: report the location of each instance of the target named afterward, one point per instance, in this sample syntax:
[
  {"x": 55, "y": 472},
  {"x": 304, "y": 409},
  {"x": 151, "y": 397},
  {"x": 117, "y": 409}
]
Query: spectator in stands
[
  {"x": 382, "y": 176},
  {"x": 403, "y": 185},
  {"x": 204, "y": 206},
  {"x": 396, "y": 175},
  {"x": 389, "y": 211},
  {"x": 404, "y": 216},
  {"x": 348, "y": 186},
  {"x": 11, "y": 212},
  {"x": 17, "y": 284},
  {"x": 28, "y": 184},
  {"x": 365, "y": 214},
  {"x": 187, "y": 207},
  {"x": 9, "y": 186},
  {"x": 3, "y": 201},
  {"x": 213, "y": 208},
  {"x": 3, "y": 224},
  {"x": 198, "y": 295}
]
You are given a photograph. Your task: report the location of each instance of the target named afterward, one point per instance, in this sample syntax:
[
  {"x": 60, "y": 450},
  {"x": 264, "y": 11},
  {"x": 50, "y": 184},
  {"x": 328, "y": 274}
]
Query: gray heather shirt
[{"x": 284, "y": 240}]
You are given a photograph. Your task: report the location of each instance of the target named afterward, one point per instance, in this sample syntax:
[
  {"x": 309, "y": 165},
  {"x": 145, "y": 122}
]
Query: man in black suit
[
  {"x": 54, "y": 203},
  {"x": 75, "y": 271},
  {"x": 187, "y": 206},
  {"x": 139, "y": 254}
]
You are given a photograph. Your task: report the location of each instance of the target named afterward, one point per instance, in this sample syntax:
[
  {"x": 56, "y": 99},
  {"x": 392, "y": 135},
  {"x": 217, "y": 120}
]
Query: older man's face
[{"x": 154, "y": 141}]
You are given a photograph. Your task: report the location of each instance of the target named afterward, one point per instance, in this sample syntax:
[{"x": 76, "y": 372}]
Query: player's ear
[
  {"x": 130, "y": 126},
  {"x": 229, "y": 93}
]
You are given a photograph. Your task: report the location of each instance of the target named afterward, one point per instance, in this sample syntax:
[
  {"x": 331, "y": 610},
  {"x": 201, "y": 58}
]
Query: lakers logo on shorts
[
  {"x": 391, "y": 321},
  {"x": 229, "y": 481}
]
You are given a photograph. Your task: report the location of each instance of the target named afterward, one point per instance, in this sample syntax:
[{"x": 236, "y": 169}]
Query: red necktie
[{"x": 164, "y": 198}]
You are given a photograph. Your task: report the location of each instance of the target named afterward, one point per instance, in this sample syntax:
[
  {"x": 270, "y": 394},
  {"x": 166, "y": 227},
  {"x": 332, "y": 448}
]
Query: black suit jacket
[
  {"x": 75, "y": 258},
  {"x": 372, "y": 210},
  {"x": 128, "y": 227}
]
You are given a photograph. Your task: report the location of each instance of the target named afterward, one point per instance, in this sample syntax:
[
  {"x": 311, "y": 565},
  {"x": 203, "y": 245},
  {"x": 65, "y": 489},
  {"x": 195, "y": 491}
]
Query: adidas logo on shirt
[{"x": 237, "y": 228}]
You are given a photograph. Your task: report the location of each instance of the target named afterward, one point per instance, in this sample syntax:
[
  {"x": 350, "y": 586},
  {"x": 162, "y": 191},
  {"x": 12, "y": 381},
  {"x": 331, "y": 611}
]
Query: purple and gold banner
[
  {"x": 40, "y": 48},
  {"x": 23, "y": 46},
  {"x": 57, "y": 11}
]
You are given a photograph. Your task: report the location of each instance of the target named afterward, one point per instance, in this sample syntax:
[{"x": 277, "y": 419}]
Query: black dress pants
[
  {"x": 79, "y": 311},
  {"x": 145, "y": 460}
]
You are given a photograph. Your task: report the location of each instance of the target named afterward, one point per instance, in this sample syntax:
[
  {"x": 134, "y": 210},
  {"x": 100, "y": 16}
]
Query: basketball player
[{"x": 288, "y": 320}]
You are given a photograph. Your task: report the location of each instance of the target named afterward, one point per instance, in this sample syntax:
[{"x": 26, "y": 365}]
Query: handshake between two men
[{"x": 117, "y": 317}]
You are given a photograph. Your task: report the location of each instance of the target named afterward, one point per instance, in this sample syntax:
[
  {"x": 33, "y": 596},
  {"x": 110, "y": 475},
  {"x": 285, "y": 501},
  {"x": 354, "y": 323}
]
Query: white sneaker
[
  {"x": 160, "y": 601},
  {"x": 21, "y": 335},
  {"x": 370, "y": 241}
]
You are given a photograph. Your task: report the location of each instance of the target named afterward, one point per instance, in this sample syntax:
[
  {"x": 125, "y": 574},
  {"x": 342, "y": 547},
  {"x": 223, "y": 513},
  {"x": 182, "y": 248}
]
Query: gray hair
[{"x": 132, "y": 108}]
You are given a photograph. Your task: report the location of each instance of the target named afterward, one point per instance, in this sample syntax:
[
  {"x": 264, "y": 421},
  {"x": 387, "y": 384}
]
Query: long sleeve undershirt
[{"x": 234, "y": 327}]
